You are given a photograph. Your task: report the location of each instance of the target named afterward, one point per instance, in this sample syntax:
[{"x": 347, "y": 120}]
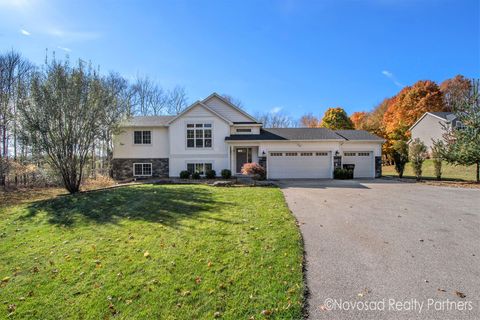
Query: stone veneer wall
[
  {"x": 123, "y": 168},
  {"x": 378, "y": 167}
]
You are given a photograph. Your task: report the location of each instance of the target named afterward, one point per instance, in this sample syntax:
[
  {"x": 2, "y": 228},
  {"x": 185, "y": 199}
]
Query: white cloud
[
  {"x": 276, "y": 110},
  {"x": 72, "y": 35},
  {"x": 65, "y": 49},
  {"x": 25, "y": 32},
  {"x": 392, "y": 77}
]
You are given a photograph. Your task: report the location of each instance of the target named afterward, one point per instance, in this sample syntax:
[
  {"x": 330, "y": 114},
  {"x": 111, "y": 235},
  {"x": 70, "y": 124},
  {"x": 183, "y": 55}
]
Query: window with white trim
[
  {"x": 243, "y": 130},
  {"x": 364, "y": 154},
  {"x": 321, "y": 154},
  {"x": 199, "y": 135},
  {"x": 142, "y": 137},
  {"x": 201, "y": 168},
  {"x": 459, "y": 125},
  {"x": 142, "y": 169},
  {"x": 306, "y": 154},
  {"x": 290, "y": 154},
  {"x": 349, "y": 154},
  {"x": 276, "y": 154}
]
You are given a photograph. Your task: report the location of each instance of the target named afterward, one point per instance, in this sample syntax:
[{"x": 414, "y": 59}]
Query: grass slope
[
  {"x": 449, "y": 172},
  {"x": 152, "y": 252}
]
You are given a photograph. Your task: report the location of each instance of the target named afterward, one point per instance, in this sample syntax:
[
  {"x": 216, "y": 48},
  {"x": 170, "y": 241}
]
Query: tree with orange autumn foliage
[
  {"x": 455, "y": 89},
  {"x": 309, "y": 121},
  {"x": 359, "y": 120},
  {"x": 409, "y": 105}
]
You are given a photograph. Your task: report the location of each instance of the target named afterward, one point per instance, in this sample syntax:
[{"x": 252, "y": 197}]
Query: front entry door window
[{"x": 244, "y": 155}]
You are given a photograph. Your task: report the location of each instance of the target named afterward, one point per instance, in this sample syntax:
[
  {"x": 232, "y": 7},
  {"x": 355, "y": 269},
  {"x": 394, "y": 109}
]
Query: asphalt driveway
[{"x": 381, "y": 249}]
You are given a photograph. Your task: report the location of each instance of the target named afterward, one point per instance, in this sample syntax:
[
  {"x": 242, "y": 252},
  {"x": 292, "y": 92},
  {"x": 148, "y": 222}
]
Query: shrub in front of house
[
  {"x": 417, "y": 153},
  {"x": 254, "y": 170},
  {"x": 210, "y": 174},
  {"x": 196, "y": 175},
  {"x": 184, "y": 174},
  {"x": 226, "y": 174},
  {"x": 342, "y": 174}
]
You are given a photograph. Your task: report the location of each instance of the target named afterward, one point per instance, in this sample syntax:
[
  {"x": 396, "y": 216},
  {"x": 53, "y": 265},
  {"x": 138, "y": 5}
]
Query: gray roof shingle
[
  {"x": 147, "y": 121},
  {"x": 358, "y": 135},
  {"x": 306, "y": 134}
]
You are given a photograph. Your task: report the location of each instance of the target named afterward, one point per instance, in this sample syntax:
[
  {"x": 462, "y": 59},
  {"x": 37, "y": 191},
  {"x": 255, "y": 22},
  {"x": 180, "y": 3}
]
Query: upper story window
[
  {"x": 244, "y": 130},
  {"x": 199, "y": 135},
  {"x": 142, "y": 137}
]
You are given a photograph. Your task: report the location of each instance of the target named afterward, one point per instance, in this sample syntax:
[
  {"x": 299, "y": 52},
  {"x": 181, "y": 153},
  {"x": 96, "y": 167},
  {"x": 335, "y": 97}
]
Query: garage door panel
[
  {"x": 301, "y": 165},
  {"x": 363, "y": 161}
]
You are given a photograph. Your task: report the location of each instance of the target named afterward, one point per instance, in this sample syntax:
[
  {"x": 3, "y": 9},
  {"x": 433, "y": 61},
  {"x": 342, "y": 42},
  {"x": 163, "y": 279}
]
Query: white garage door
[
  {"x": 297, "y": 165},
  {"x": 363, "y": 161}
]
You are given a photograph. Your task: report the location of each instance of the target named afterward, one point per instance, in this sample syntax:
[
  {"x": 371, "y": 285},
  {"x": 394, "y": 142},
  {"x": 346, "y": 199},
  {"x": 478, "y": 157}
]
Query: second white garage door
[
  {"x": 363, "y": 162},
  {"x": 299, "y": 165}
]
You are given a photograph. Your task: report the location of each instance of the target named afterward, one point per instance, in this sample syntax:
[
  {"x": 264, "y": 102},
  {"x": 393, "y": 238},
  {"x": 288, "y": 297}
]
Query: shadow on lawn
[{"x": 154, "y": 204}]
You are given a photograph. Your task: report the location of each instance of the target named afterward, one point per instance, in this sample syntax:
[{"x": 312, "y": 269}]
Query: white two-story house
[
  {"x": 432, "y": 126},
  {"x": 214, "y": 134}
]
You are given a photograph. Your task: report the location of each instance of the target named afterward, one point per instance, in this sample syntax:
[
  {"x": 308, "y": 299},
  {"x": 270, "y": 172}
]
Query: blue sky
[{"x": 294, "y": 56}]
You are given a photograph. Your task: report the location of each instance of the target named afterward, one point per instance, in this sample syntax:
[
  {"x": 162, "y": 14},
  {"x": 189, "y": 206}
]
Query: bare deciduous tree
[
  {"x": 177, "y": 100},
  {"x": 275, "y": 120},
  {"x": 148, "y": 98},
  {"x": 14, "y": 74},
  {"x": 66, "y": 112}
]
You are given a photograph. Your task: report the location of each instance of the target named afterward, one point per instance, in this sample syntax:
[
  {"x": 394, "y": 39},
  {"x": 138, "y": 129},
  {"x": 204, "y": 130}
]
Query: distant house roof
[
  {"x": 445, "y": 116},
  {"x": 298, "y": 134},
  {"x": 358, "y": 135},
  {"x": 147, "y": 121}
]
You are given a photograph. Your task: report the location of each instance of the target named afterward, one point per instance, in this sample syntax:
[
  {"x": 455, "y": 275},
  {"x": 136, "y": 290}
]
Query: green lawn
[
  {"x": 152, "y": 252},
  {"x": 448, "y": 171}
]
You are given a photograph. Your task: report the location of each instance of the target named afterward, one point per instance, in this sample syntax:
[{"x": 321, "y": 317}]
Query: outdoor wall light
[{"x": 337, "y": 153}]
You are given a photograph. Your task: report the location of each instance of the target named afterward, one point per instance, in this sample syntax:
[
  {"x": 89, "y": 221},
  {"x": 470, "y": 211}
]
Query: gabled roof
[
  {"x": 444, "y": 116},
  {"x": 147, "y": 121},
  {"x": 294, "y": 134},
  {"x": 357, "y": 135},
  {"x": 200, "y": 103},
  {"x": 216, "y": 95}
]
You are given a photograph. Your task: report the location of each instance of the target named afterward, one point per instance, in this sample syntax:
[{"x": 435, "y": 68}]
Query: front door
[{"x": 244, "y": 155}]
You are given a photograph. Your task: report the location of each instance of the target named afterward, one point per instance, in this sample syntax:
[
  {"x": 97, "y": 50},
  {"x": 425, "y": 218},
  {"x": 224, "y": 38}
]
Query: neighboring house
[
  {"x": 214, "y": 134},
  {"x": 431, "y": 126}
]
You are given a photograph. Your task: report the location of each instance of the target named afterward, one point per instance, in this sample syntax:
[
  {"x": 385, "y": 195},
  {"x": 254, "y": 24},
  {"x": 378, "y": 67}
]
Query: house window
[
  {"x": 142, "y": 137},
  {"x": 321, "y": 154},
  {"x": 243, "y": 130},
  {"x": 459, "y": 125},
  {"x": 306, "y": 154},
  {"x": 199, "y": 167},
  {"x": 199, "y": 135},
  {"x": 364, "y": 154},
  {"x": 142, "y": 169},
  {"x": 276, "y": 154},
  {"x": 290, "y": 154},
  {"x": 349, "y": 154}
]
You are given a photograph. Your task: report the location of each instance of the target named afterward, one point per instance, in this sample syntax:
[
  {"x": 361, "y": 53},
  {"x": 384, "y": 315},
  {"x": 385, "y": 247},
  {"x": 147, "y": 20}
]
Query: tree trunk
[{"x": 478, "y": 172}]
